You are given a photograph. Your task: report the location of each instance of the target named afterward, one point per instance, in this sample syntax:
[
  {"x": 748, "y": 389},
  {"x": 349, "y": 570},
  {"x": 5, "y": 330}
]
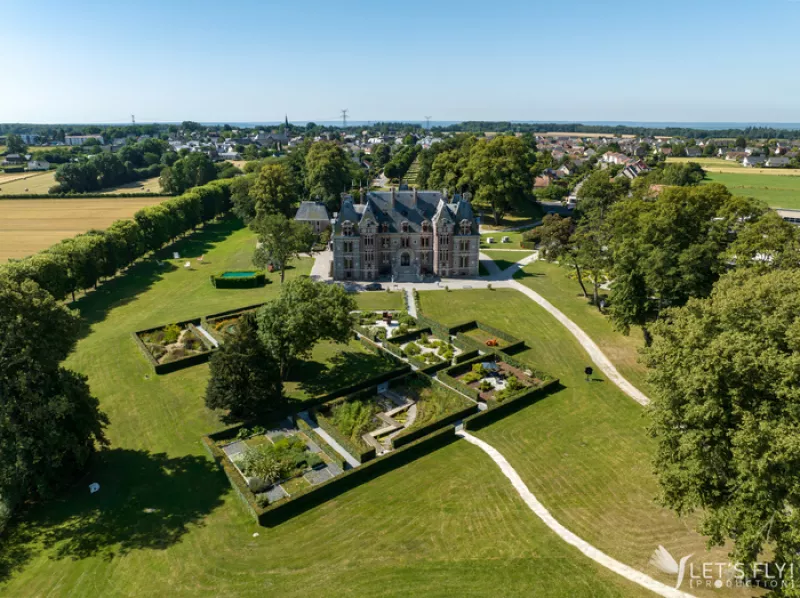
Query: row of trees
[
  {"x": 81, "y": 262},
  {"x": 399, "y": 164},
  {"x": 99, "y": 172},
  {"x": 713, "y": 281},
  {"x": 250, "y": 368}
]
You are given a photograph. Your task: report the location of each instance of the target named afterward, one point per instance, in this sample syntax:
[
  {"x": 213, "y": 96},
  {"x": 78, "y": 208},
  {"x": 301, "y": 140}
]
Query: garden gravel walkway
[
  {"x": 587, "y": 549},
  {"x": 351, "y": 460}
]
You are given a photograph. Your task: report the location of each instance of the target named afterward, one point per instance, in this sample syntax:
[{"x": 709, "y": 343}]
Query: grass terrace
[
  {"x": 514, "y": 240},
  {"x": 332, "y": 366},
  {"x": 380, "y": 301}
]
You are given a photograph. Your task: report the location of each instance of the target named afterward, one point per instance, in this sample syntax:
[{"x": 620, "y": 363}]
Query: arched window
[
  {"x": 404, "y": 227},
  {"x": 426, "y": 227},
  {"x": 347, "y": 228},
  {"x": 384, "y": 228},
  {"x": 466, "y": 227},
  {"x": 405, "y": 259}
]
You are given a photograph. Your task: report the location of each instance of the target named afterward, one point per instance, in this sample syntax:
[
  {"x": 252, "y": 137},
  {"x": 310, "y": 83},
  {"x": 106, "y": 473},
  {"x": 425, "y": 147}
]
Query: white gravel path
[{"x": 570, "y": 538}]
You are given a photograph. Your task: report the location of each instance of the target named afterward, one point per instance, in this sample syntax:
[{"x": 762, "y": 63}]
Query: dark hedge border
[
  {"x": 178, "y": 364},
  {"x": 332, "y": 454},
  {"x": 259, "y": 279},
  {"x": 498, "y": 411},
  {"x": 362, "y": 455}
]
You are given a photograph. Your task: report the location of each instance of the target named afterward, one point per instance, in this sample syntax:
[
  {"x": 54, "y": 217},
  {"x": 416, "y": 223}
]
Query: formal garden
[
  {"x": 280, "y": 462},
  {"x": 382, "y": 325},
  {"x": 175, "y": 345},
  {"x": 494, "y": 379}
]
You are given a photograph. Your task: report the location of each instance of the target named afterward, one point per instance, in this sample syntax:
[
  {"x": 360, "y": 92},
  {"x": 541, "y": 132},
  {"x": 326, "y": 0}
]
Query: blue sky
[{"x": 172, "y": 60}]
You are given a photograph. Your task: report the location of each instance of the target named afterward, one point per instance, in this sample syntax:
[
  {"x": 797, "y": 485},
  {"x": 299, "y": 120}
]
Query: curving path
[{"x": 587, "y": 549}]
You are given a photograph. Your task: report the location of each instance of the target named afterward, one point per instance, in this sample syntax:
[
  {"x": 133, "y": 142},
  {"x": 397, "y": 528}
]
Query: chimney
[{"x": 444, "y": 194}]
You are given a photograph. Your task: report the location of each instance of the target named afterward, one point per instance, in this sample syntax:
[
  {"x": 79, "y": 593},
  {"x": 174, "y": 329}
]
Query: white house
[
  {"x": 38, "y": 165},
  {"x": 777, "y": 162},
  {"x": 81, "y": 139},
  {"x": 751, "y": 161},
  {"x": 614, "y": 158}
]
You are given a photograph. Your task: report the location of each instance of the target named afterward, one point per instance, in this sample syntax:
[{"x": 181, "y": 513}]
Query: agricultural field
[
  {"x": 446, "y": 524},
  {"x": 720, "y": 165},
  {"x": 20, "y": 183},
  {"x": 151, "y": 185},
  {"x": 30, "y": 225},
  {"x": 775, "y": 191}
]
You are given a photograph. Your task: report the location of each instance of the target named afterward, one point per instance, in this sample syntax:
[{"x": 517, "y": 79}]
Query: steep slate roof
[
  {"x": 429, "y": 205},
  {"x": 311, "y": 210}
]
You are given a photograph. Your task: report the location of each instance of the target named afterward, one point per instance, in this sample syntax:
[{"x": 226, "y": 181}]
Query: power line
[{"x": 344, "y": 118}]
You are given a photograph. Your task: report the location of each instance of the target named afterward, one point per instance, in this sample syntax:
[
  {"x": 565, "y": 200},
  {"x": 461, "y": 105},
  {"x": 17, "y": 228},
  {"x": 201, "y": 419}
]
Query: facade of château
[{"x": 405, "y": 236}]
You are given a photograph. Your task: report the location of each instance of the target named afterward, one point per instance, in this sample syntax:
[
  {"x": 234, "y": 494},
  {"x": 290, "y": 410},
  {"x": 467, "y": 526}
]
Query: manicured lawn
[
  {"x": 775, "y": 191},
  {"x": 515, "y": 239},
  {"x": 521, "y": 214},
  {"x": 506, "y": 259},
  {"x": 560, "y": 288},
  {"x": 379, "y": 300},
  {"x": 165, "y": 519},
  {"x": 333, "y": 366},
  {"x": 583, "y": 451}
]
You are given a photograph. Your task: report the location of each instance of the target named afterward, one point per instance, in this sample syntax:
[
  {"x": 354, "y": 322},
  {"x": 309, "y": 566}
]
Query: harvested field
[
  {"x": 30, "y": 225},
  {"x": 721, "y": 166},
  {"x": 145, "y": 186},
  {"x": 27, "y": 182}
]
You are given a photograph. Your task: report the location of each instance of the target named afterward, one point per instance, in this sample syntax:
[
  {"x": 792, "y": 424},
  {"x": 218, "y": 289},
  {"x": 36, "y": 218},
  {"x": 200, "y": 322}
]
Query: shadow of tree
[
  {"x": 137, "y": 279},
  {"x": 145, "y": 501},
  {"x": 343, "y": 369}
]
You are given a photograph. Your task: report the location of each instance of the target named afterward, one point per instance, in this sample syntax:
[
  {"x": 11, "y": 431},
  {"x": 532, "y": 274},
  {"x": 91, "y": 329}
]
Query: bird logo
[{"x": 664, "y": 561}]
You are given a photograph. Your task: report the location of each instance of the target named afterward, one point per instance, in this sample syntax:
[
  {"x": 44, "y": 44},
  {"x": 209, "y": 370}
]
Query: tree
[
  {"x": 281, "y": 240},
  {"x": 768, "y": 242},
  {"x": 244, "y": 378},
  {"x": 274, "y": 190},
  {"x": 381, "y": 154},
  {"x": 305, "y": 313},
  {"x": 500, "y": 171},
  {"x": 193, "y": 170},
  {"x": 327, "y": 172},
  {"x": 50, "y": 425},
  {"x": 741, "y": 142},
  {"x": 682, "y": 175},
  {"x": 244, "y": 204},
  {"x": 725, "y": 410},
  {"x": 556, "y": 244},
  {"x": 15, "y": 145}
]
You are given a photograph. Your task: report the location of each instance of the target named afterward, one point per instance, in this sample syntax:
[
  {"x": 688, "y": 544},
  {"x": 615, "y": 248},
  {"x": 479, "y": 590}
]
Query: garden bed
[
  {"x": 174, "y": 346},
  {"x": 382, "y": 325},
  {"x": 427, "y": 350},
  {"x": 278, "y": 463},
  {"x": 496, "y": 380}
]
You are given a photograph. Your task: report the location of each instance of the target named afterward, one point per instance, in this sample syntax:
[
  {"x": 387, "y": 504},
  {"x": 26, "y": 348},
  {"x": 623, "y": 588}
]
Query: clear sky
[{"x": 256, "y": 60}]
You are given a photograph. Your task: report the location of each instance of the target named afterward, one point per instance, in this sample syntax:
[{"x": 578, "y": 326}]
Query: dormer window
[
  {"x": 426, "y": 227},
  {"x": 404, "y": 227},
  {"x": 347, "y": 228},
  {"x": 384, "y": 228},
  {"x": 466, "y": 227}
]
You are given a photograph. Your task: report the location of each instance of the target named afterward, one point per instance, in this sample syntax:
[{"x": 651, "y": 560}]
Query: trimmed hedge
[
  {"x": 96, "y": 195},
  {"x": 332, "y": 454},
  {"x": 458, "y": 385},
  {"x": 404, "y": 439},
  {"x": 183, "y": 362},
  {"x": 362, "y": 455},
  {"x": 498, "y": 411},
  {"x": 466, "y": 356},
  {"x": 237, "y": 482},
  {"x": 258, "y": 279},
  {"x": 438, "y": 329},
  {"x": 527, "y": 245},
  {"x": 401, "y": 339}
]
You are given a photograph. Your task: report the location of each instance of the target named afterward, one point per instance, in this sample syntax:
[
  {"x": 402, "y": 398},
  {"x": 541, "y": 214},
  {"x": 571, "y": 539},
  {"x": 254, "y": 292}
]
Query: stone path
[
  {"x": 587, "y": 549},
  {"x": 595, "y": 353},
  {"x": 321, "y": 270},
  {"x": 411, "y": 303},
  {"x": 351, "y": 460}
]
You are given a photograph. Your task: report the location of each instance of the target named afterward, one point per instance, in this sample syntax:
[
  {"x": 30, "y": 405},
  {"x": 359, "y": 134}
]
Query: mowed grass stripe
[
  {"x": 446, "y": 524},
  {"x": 30, "y": 225},
  {"x": 583, "y": 451}
]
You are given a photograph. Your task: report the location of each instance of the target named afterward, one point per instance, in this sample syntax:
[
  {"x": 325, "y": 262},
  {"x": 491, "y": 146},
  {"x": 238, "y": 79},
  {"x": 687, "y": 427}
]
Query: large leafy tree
[
  {"x": 244, "y": 378},
  {"x": 15, "y": 145},
  {"x": 327, "y": 171},
  {"x": 50, "y": 424},
  {"x": 305, "y": 313},
  {"x": 274, "y": 190},
  {"x": 280, "y": 240},
  {"x": 555, "y": 239},
  {"x": 726, "y": 413},
  {"x": 190, "y": 171},
  {"x": 500, "y": 172}
]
